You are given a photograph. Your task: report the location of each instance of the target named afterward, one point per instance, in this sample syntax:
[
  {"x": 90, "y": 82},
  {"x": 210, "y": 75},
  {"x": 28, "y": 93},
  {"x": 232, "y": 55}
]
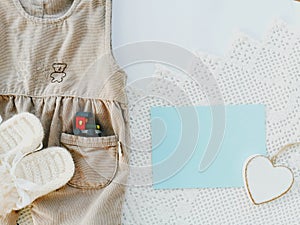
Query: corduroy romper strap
[{"x": 55, "y": 60}]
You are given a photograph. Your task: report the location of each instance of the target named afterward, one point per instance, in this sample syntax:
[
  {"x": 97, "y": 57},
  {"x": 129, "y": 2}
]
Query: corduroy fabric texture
[{"x": 55, "y": 60}]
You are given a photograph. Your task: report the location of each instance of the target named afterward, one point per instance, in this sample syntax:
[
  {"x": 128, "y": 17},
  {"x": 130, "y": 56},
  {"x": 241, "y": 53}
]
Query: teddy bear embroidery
[{"x": 59, "y": 72}]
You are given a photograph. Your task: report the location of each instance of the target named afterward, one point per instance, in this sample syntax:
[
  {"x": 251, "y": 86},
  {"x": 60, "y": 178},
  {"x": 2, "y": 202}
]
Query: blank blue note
[{"x": 182, "y": 135}]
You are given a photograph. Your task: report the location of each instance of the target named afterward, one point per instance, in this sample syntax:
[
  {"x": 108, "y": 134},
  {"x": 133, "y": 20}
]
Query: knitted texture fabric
[
  {"x": 21, "y": 133},
  {"x": 252, "y": 72},
  {"x": 32, "y": 176}
]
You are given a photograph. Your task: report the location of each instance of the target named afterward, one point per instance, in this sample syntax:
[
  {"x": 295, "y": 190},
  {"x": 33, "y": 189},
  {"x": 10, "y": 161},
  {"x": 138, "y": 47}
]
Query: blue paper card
[{"x": 204, "y": 147}]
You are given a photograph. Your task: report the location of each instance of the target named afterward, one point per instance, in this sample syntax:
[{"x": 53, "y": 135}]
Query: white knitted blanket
[{"x": 266, "y": 72}]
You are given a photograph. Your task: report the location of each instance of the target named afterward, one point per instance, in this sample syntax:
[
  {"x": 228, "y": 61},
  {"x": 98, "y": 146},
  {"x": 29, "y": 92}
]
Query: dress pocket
[{"x": 95, "y": 158}]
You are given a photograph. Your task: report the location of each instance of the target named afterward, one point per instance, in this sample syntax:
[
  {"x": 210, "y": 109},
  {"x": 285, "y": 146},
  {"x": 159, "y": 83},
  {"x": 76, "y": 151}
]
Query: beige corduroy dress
[{"x": 55, "y": 60}]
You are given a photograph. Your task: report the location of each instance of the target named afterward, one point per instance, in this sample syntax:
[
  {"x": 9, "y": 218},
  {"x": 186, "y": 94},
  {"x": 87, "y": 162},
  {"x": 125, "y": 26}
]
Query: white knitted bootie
[
  {"x": 23, "y": 133},
  {"x": 32, "y": 176},
  {"x": 26, "y": 171}
]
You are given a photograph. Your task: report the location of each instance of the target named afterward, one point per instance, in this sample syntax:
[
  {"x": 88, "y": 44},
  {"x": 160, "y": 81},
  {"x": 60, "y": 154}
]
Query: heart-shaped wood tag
[{"x": 265, "y": 182}]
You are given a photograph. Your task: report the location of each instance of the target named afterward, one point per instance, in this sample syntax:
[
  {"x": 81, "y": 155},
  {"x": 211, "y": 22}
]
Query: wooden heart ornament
[{"x": 265, "y": 182}]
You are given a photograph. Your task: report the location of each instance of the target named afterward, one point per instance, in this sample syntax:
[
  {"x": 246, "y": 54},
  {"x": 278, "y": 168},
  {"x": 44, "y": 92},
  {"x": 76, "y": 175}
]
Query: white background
[{"x": 206, "y": 25}]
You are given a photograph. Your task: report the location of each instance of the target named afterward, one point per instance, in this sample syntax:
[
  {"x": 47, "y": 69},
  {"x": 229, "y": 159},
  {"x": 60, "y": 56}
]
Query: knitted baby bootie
[
  {"x": 22, "y": 134},
  {"x": 26, "y": 171},
  {"x": 32, "y": 176}
]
